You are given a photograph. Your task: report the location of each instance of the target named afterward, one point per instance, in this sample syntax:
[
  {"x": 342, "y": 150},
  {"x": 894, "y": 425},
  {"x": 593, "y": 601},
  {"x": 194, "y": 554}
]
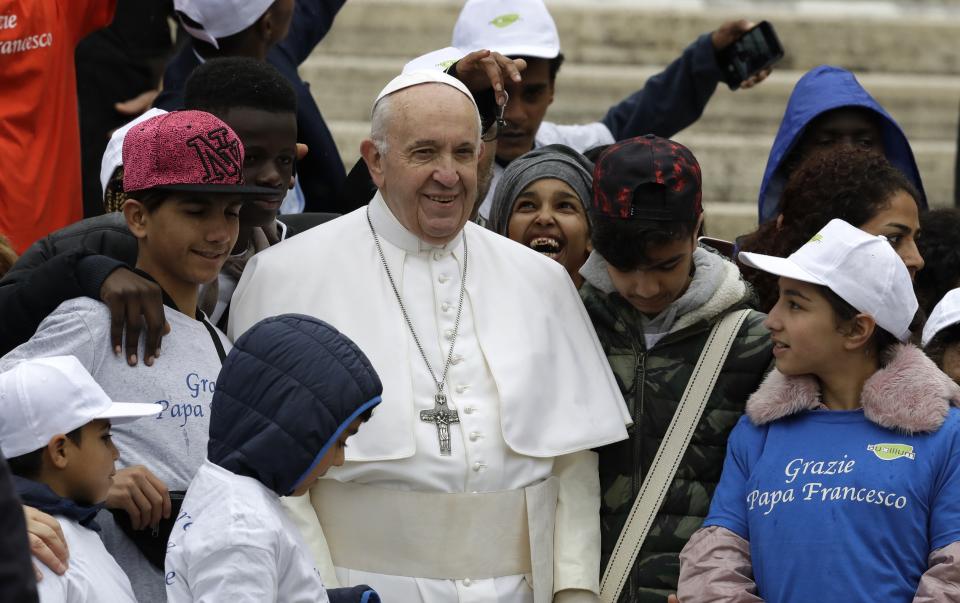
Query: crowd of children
[{"x": 830, "y": 437}]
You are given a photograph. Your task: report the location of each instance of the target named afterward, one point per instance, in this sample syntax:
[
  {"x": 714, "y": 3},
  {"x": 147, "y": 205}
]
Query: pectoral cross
[{"x": 442, "y": 417}]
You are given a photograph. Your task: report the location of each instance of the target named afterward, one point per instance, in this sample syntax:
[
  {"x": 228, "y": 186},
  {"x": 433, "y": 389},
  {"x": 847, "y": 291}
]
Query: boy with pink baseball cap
[
  {"x": 184, "y": 177},
  {"x": 56, "y": 434}
]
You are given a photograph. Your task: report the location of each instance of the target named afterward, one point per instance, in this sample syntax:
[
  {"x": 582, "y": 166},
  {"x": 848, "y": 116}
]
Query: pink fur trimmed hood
[{"x": 910, "y": 394}]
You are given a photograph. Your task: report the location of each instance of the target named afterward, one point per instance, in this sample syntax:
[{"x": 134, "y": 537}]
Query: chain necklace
[{"x": 441, "y": 415}]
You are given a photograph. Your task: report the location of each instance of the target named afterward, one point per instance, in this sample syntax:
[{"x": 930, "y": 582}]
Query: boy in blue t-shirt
[{"x": 842, "y": 482}]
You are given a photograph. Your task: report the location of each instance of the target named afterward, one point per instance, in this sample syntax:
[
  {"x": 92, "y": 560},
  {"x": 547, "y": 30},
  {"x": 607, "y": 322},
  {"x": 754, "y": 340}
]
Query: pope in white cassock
[{"x": 474, "y": 480}]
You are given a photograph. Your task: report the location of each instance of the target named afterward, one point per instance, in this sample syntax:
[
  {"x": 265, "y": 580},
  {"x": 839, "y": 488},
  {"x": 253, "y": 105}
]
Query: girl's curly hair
[
  {"x": 940, "y": 249},
  {"x": 843, "y": 182}
]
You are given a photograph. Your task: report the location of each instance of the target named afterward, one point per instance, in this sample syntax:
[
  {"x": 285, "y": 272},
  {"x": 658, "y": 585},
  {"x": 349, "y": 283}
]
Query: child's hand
[
  {"x": 135, "y": 303},
  {"x": 673, "y": 599},
  {"x": 141, "y": 494}
]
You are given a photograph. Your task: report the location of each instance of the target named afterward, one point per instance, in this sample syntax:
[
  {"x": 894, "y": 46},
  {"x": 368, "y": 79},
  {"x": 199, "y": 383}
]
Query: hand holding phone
[{"x": 756, "y": 50}]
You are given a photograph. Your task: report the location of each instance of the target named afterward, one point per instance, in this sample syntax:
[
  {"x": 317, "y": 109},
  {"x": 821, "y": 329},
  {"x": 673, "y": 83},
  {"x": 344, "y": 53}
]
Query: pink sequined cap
[{"x": 185, "y": 151}]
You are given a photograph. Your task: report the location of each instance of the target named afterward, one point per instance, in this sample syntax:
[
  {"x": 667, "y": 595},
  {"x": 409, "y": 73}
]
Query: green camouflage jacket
[{"x": 652, "y": 382}]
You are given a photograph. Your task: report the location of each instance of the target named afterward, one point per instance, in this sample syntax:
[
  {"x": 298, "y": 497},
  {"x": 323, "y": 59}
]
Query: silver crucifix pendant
[{"x": 442, "y": 417}]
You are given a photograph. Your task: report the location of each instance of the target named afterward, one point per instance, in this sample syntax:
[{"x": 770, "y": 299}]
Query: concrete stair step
[
  {"x": 926, "y": 106},
  {"x": 732, "y": 165},
  {"x": 874, "y": 36}
]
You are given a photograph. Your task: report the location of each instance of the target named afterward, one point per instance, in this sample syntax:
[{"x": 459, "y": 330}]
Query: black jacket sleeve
[
  {"x": 312, "y": 19},
  {"x": 41, "y": 281},
  {"x": 671, "y": 100},
  {"x": 16, "y": 572}
]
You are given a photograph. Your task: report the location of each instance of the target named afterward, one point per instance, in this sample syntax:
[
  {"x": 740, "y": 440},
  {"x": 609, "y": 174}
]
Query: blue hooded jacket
[
  {"x": 288, "y": 389},
  {"x": 820, "y": 90}
]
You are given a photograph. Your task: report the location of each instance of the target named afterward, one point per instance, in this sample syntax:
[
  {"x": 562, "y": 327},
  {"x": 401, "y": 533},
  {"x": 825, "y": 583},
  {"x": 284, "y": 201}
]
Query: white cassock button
[
  {"x": 438, "y": 255},
  {"x": 467, "y": 582},
  {"x": 478, "y": 466},
  {"x": 462, "y": 388},
  {"x": 457, "y": 359},
  {"x": 448, "y": 334},
  {"x": 474, "y": 436},
  {"x": 443, "y": 278},
  {"x": 445, "y": 306}
]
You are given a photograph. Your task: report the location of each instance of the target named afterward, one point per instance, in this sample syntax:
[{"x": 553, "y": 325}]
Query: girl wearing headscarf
[{"x": 540, "y": 203}]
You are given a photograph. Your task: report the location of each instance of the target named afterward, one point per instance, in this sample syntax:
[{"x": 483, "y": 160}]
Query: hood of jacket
[
  {"x": 288, "y": 389},
  {"x": 910, "y": 394},
  {"x": 728, "y": 291},
  {"x": 822, "y": 89}
]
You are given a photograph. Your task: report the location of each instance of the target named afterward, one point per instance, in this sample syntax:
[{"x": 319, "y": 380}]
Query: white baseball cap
[
  {"x": 220, "y": 18},
  {"x": 408, "y": 79},
  {"x": 861, "y": 268},
  {"x": 113, "y": 155},
  {"x": 945, "y": 314},
  {"x": 510, "y": 27},
  {"x": 43, "y": 397}
]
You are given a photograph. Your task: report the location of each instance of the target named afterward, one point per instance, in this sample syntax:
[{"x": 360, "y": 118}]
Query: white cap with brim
[
  {"x": 511, "y": 27},
  {"x": 219, "y": 18},
  {"x": 423, "y": 76},
  {"x": 945, "y": 314},
  {"x": 44, "y": 397},
  {"x": 113, "y": 155},
  {"x": 861, "y": 268}
]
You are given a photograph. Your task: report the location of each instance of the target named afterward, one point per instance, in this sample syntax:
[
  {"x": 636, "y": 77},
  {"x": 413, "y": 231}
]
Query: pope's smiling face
[{"x": 427, "y": 173}]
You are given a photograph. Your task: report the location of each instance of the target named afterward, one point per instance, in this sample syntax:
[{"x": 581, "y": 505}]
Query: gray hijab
[{"x": 552, "y": 161}]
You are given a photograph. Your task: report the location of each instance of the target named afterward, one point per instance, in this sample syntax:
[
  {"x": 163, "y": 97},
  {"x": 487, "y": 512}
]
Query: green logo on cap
[
  {"x": 444, "y": 65},
  {"x": 892, "y": 452},
  {"x": 816, "y": 238},
  {"x": 505, "y": 20}
]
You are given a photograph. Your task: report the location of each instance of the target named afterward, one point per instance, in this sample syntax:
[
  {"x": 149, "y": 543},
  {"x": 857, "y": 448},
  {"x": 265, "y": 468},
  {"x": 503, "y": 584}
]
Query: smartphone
[{"x": 753, "y": 52}]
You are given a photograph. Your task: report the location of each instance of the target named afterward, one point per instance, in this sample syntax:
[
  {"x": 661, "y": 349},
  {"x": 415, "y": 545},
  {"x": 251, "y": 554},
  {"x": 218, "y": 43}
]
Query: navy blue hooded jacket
[
  {"x": 823, "y": 89},
  {"x": 288, "y": 389}
]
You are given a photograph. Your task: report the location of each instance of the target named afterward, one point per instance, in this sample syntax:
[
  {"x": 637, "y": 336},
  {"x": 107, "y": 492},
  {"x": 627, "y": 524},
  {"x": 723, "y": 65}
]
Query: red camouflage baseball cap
[
  {"x": 186, "y": 151},
  {"x": 624, "y": 171}
]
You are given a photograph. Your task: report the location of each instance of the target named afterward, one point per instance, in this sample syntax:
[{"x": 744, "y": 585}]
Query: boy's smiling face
[
  {"x": 185, "y": 240},
  {"x": 88, "y": 470},
  {"x": 270, "y": 151}
]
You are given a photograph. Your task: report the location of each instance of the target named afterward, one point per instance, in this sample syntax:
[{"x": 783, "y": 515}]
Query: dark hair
[
  {"x": 842, "y": 182},
  {"x": 593, "y": 153},
  {"x": 555, "y": 64},
  {"x": 940, "y": 249},
  {"x": 937, "y": 346},
  {"x": 625, "y": 244},
  {"x": 151, "y": 198},
  {"x": 29, "y": 465},
  {"x": 882, "y": 341},
  {"x": 227, "y": 83}
]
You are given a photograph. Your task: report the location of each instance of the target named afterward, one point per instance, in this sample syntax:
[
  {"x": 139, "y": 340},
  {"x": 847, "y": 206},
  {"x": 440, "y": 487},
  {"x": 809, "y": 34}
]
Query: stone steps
[
  {"x": 904, "y": 53},
  {"x": 904, "y": 37},
  {"x": 926, "y": 106}
]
